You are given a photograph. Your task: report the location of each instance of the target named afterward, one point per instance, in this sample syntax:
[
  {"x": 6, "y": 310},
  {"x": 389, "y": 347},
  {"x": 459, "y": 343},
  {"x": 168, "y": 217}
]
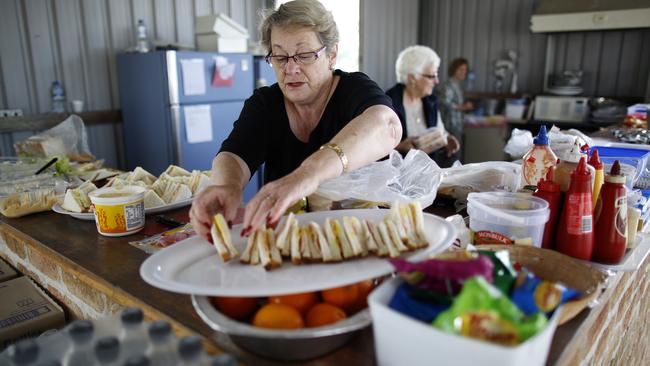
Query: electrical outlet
[{"x": 7, "y": 113}]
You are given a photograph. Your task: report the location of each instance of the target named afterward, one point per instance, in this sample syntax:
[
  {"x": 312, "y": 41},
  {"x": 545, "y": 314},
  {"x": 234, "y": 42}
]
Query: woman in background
[
  {"x": 452, "y": 102},
  {"x": 315, "y": 124},
  {"x": 416, "y": 69}
]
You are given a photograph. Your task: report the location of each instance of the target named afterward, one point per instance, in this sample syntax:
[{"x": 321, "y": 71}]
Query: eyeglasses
[
  {"x": 303, "y": 58},
  {"x": 430, "y": 77}
]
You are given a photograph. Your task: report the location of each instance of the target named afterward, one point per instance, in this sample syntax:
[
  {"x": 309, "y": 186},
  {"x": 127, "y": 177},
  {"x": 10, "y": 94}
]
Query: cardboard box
[
  {"x": 402, "y": 340},
  {"x": 26, "y": 311},
  {"x": 6, "y": 272},
  {"x": 219, "y": 33}
]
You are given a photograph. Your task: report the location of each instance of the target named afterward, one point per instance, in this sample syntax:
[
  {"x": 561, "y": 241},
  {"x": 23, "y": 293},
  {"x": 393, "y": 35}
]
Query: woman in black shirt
[{"x": 314, "y": 124}]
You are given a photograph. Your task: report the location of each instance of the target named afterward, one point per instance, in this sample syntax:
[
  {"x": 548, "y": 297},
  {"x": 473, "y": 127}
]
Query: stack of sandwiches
[
  {"x": 400, "y": 231},
  {"x": 174, "y": 185}
]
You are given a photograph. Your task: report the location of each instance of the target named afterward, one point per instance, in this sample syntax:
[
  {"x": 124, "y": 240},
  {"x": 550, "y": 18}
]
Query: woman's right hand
[{"x": 214, "y": 199}]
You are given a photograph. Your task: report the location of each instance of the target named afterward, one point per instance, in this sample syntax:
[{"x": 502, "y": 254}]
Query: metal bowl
[{"x": 282, "y": 345}]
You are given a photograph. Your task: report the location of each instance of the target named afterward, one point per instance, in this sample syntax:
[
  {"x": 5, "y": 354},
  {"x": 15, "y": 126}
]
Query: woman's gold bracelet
[{"x": 337, "y": 149}]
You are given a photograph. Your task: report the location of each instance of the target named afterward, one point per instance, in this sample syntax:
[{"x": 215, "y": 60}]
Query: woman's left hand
[
  {"x": 452, "y": 145},
  {"x": 270, "y": 203}
]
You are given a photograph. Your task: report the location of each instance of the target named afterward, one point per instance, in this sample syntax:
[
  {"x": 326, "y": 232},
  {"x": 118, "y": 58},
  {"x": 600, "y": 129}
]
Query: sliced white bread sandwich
[
  {"x": 141, "y": 175},
  {"x": 221, "y": 238},
  {"x": 198, "y": 181},
  {"x": 176, "y": 192},
  {"x": 336, "y": 236},
  {"x": 393, "y": 252},
  {"x": 329, "y": 253},
  {"x": 350, "y": 230},
  {"x": 152, "y": 199},
  {"x": 294, "y": 240},
  {"x": 175, "y": 171},
  {"x": 250, "y": 248},
  {"x": 283, "y": 235},
  {"x": 76, "y": 199}
]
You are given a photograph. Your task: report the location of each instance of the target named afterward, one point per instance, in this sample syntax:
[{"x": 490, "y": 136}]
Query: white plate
[
  {"x": 151, "y": 210},
  {"x": 192, "y": 266},
  {"x": 633, "y": 257}
]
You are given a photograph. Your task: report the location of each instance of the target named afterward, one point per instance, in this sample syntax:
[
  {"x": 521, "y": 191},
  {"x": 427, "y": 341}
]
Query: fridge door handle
[
  {"x": 176, "y": 134},
  {"x": 172, "y": 77}
]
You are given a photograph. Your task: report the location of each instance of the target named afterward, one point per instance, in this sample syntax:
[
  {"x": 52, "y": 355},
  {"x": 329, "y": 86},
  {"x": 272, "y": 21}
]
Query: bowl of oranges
[{"x": 290, "y": 327}]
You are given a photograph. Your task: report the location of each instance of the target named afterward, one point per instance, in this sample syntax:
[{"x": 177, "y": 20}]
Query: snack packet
[
  {"x": 481, "y": 311},
  {"x": 418, "y": 304},
  {"x": 532, "y": 294},
  {"x": 444, "y": 275},
  {"x": 156, "y": 242},
  {"x": 503, "y": 274}
]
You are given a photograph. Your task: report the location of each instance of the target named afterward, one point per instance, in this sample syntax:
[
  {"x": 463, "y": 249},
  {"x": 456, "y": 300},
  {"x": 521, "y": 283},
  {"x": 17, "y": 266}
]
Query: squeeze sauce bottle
[
  {"x": 568, "y": 164},
  {"x": 575, "y": 234},
  {"x": 538, "y": 159},
  {"x": 550, "y": 192},
  {"x": 594, "y": 161},
  {"x": 611, "y": 218}
]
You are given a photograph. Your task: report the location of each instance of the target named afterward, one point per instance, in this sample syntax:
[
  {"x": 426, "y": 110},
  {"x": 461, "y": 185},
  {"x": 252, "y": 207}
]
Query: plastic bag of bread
[
  {"x": 413, "y": 178},
  {"x": 459, "y": 181},
  {"x": 68, "y": 138},
  {"x": 25, "y": 203}
]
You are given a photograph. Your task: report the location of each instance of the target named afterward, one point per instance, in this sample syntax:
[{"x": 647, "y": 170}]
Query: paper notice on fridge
[
  {"x": 198, "y": 123},
  {"x": 193, "y": 76}
]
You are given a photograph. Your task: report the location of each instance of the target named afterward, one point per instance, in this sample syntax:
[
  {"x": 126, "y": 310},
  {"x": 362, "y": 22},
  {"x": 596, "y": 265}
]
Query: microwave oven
[{"x": 561, "y": 109}]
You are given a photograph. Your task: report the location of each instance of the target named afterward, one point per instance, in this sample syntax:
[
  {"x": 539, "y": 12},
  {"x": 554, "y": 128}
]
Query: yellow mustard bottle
[{"x": 599, "y": 175}]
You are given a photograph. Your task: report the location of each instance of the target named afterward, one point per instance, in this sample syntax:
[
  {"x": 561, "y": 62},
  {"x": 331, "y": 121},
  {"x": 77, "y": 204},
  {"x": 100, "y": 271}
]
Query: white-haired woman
[
  {"x": 416, "y": 105},
  {"x": 314, "y": 124}
]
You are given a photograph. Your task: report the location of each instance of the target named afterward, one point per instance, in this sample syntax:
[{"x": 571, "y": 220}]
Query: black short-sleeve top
[{"x": 262, "y": 134}]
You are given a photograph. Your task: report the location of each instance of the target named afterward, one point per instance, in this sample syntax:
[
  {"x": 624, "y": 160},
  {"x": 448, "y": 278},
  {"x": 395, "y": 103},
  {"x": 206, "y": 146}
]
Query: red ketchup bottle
[
  {"x": 575, "y": 234},
  {"x": 611, "y": 218},
  {"x": 550, "y": 192}
]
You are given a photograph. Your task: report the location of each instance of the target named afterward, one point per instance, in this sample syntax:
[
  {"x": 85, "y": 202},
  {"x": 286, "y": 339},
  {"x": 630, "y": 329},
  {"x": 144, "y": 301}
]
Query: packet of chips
[
  {"x": 417, "y": 303},
  {"x": 532, "y": 294},
  {"x": 503, "y": 274},
  {"x": 444, "y": 275},
  {"x": 481, "y": 311}
]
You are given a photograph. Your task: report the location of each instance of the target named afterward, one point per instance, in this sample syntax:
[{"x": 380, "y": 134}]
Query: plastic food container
[
  {"x": 118, "y": 212},
  {"x": 402, "y": 340},
  {"x": 507, "y": 218}
]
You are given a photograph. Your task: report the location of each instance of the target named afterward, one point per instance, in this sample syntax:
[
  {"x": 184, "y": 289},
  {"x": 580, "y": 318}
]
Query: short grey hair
[
  {"x": 413, "y": 60},
  {"x": 309, "y": 14}
]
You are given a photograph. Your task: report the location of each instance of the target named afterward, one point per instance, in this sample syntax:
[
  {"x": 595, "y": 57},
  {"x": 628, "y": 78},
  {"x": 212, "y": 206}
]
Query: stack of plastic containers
[{"x": 127, "y": 340}]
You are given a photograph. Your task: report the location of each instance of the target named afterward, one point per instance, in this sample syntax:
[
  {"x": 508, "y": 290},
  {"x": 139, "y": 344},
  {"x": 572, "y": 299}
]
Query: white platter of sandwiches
[
  {"x": 174, "y": 188},
  {"x": 306, "y": 252}
]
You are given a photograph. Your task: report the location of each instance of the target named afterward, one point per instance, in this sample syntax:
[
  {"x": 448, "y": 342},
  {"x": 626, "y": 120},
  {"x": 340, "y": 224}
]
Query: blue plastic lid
[
  {"x": 541, "y": 138},
  {"x": 620, "y": 151}
]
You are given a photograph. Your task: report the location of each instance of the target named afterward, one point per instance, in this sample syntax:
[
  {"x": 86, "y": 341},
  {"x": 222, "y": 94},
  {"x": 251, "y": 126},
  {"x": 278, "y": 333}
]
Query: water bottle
[
  {"x": 162, "y": 350},
  {"x": 142, "y": 44},
  {"x": 58, "y": 97},
  {"x": 471, "y": 78},
  {"x": 133, "y": 335},
  {"x": 190, "y": 351},
  {"x": 107, "y": 351},
  {"x": 81, "y": 352}
]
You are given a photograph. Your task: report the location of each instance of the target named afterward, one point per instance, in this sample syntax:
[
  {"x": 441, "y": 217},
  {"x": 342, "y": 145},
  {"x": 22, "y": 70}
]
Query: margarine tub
[{"x": 118, "y": 212}]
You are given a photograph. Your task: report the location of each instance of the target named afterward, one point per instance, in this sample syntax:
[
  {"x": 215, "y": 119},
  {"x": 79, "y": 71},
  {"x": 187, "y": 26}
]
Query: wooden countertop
[{"x": 112, "y": 266}]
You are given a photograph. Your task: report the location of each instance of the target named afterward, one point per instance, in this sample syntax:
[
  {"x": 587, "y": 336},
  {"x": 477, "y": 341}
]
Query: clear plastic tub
[{"x": 507, "y": 218}]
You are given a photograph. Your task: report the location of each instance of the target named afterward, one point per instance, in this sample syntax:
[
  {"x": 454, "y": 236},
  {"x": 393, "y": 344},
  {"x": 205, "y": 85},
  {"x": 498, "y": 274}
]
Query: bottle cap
[
  {"x": 131, "y": 316},
  {"x": 548, "y": 185},
  {"x": 81, "y": 331},
  {"x": 24, "y": 352},
  {"x": 107, "y": 349},
  {"x": 159, "y": 330},
  {"x": 541, "y": 138},
  {"x": 190, "y": 347},
  {"x": 594, "y": 160},
  {"x": 581, "y": 173},
  {"x": 615, "y": 175}
]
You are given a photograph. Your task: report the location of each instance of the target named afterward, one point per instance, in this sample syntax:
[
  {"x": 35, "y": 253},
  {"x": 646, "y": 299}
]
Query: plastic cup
[
  {"x": 118, "y": 212},
  {"x": 77, "y": 106}
]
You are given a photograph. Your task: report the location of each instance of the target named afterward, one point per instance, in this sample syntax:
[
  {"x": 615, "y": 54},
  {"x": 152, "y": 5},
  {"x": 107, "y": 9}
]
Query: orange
[
  {"x": 301, "y": 302},
  {"x": 342, "y": 297},
  {"x": 364, "y": 288},
  {"x": 278, "y": 316},
  {"x": 323, "y": 314},
  {"x": 235, "y": 307}
]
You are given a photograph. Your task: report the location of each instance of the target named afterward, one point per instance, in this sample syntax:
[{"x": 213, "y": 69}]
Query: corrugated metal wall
[
  {"x": 615, "y": 62},
  {"x": 387, "y": 27},
  {"x": 75, "y": 41}
]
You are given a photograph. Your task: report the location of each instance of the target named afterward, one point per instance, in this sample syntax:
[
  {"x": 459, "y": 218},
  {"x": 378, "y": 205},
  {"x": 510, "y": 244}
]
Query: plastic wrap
[
  {"x": 413, "y": 178},
  {"x": 68, "y": 138},
  {"x": 459, "y": 181},
  {"x": 519, "y": 143},
  {"x": 560, "y": 141}
]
